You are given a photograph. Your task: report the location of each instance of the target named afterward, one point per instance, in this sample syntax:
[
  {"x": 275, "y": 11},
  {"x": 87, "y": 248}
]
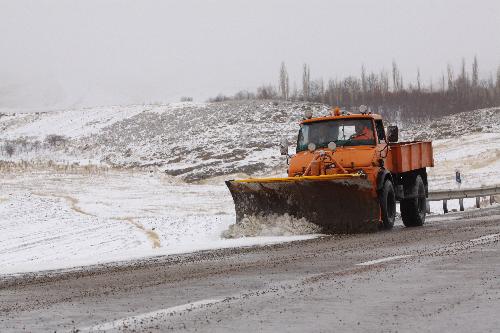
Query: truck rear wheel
[
  {"x": 413, "y": 210},
  {"x": 388, "y": 205}
]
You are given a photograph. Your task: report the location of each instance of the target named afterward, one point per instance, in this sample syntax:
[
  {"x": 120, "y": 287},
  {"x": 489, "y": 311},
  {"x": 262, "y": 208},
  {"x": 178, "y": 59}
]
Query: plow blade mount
[{"x": 345, "y": 205}]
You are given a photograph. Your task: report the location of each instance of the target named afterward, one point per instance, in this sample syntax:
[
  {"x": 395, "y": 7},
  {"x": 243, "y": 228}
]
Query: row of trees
[{"x": 385, "y": 92}]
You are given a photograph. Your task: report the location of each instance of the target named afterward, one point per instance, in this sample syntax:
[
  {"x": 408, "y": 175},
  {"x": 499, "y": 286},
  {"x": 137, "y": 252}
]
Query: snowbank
[{"x": 54, "y": 221}]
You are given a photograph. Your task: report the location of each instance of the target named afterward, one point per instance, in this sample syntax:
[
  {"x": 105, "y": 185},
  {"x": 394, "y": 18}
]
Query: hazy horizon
[{"x": 99, "y": 52}]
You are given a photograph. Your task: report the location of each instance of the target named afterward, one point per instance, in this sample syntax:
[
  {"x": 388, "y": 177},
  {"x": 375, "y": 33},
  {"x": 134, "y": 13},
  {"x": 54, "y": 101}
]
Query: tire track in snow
[
  {"x": 152, "y": 235},
  {"x": 73, "y": 203}
]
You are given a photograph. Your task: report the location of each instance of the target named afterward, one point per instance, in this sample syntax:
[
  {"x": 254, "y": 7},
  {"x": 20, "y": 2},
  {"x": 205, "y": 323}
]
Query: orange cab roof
[{"x": 345, "y": 116}]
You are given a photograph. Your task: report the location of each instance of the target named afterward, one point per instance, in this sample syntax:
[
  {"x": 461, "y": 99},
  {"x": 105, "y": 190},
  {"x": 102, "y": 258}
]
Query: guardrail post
[{"x": 480, "y": 193}]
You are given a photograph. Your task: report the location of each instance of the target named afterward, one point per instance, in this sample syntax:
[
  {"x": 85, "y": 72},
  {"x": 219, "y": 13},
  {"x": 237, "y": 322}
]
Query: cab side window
[{"x": 379, "y": 126}]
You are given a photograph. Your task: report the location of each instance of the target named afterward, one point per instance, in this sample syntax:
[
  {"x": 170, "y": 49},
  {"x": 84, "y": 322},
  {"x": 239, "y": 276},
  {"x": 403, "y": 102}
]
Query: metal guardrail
[{"x": 462, "y": 194}]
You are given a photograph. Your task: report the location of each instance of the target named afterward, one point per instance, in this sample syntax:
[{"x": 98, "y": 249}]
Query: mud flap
[{"x": 337, "y": 206}]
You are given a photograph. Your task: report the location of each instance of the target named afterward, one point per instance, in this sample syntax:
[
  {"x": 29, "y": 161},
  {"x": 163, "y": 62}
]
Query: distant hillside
[
  {"x": 190, "y": 140},
  {"x": 456, "y": 125},
  {"x": 194, "y": 141}
]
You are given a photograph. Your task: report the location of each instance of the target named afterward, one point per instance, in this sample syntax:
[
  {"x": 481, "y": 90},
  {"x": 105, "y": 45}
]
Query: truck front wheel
[
  {"x": 388, "y": 205},
  {"x": 413, "y": 210}
]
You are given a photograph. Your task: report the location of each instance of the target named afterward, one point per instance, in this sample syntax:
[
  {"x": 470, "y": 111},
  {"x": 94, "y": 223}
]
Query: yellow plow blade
[{"x": 344, "y": 203}]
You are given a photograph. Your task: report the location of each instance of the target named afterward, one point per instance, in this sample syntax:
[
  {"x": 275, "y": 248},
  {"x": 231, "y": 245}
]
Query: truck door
[{"x": 379, "y": 128}]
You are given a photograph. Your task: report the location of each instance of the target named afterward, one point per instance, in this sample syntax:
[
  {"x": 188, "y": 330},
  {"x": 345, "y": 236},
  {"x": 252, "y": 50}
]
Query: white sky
[{"x": 88, "y": 52}]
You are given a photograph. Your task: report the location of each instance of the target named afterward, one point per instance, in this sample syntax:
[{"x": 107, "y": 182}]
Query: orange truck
[{"x": 346, "y": 176}]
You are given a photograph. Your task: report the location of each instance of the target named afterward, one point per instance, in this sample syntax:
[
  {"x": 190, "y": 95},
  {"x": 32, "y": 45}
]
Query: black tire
[
  {"x": 413, "y": 210},
  {"x": 388, "y": 205}
]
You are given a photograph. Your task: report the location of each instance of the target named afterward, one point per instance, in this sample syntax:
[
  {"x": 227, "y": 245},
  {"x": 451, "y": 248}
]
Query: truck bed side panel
[{"x": 408, "y": 156}]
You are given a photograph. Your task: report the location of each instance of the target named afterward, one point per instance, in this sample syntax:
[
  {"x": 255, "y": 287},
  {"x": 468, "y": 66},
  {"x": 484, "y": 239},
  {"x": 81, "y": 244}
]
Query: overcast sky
[{"x": 93, "y": 52}]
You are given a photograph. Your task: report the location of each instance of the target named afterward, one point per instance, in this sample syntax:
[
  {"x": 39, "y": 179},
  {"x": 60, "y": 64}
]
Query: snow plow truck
[{"x": 346, "y": 176}]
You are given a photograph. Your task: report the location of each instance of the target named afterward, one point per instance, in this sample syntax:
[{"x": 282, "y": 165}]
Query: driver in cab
[{"x": 362, "y": 133}]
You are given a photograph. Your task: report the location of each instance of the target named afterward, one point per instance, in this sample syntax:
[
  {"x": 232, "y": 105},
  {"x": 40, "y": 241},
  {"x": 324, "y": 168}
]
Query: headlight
[
  {"x": 311, "y": 147},
  {"x": 332, "y": 146}
]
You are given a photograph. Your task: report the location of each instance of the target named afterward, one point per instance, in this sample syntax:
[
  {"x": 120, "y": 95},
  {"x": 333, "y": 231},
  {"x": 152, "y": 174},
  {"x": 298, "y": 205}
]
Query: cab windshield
[{"x": 344, "y": 132}]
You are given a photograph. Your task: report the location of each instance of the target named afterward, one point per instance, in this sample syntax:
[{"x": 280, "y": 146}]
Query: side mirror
[
  {"x": 284, "y": 146},
  {"x": 392, "y": 134}
]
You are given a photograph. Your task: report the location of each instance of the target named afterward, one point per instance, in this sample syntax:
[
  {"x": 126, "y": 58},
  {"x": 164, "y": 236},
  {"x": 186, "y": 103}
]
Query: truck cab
[{"x": 353, "y": 139}]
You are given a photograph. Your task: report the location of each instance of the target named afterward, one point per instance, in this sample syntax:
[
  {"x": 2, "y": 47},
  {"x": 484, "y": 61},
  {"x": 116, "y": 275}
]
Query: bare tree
[
  {"x": 284, "y": 84},
  {"x": 295, "y": 92},
  {"x": 421, "y": 99},
  {"x": 463, "y": 74},
  {"x": 266, "y": 92},
  {"x": 475, "y": 73},
  {"x": 244, "y": 94},
  {"x": 363, "y": 83},
  {"x": 498, "y": 80},
  {"x": 306, "y": 82},
  {"x": 462, "y": 83},
  {"x": 396, "y": 80},
  {"x": 317, "y": 90},
  {"x": 219, "y": 98},
  {"x": 418, "y": 80},
  {"x": 384, "y": 83},
  {"x": 449, "y": 71}
]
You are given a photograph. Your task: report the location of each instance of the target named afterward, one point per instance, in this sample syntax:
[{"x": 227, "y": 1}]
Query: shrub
[
  {"x": 55, "y": 140},
  {"x": 9, "y": 149}
]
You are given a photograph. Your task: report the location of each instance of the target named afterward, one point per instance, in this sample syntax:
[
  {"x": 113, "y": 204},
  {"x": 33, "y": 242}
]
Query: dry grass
[{"x": 32, "y": 166}]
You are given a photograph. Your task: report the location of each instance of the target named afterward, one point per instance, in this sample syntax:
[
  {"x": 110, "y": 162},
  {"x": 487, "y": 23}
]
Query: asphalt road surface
[{"x": 444, "y": 276}]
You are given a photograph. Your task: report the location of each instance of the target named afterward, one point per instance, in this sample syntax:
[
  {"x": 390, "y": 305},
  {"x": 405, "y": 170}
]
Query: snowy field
[
  {"x": 56, "y": 212},
  {"x": 477, "y": 156},
  {"x": 55, "y": 220}
]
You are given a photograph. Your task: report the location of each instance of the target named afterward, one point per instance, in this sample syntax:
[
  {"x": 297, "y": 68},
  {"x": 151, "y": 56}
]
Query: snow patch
[{"x": 270, "y": 225}]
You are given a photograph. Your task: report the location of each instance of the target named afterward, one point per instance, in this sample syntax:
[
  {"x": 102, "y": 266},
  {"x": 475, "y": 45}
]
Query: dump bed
[{"x": 407, "y": 156}]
